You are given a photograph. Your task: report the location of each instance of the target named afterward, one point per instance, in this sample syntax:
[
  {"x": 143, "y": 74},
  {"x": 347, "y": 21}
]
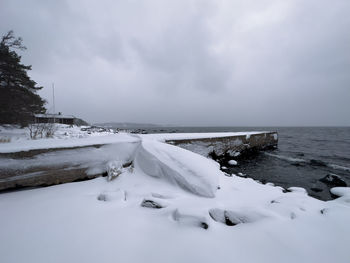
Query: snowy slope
[{"x": 67, "y": 223}]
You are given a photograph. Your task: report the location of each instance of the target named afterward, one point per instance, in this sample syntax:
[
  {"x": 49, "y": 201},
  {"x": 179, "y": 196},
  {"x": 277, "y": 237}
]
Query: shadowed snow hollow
[{"x": 188, "y": 170}]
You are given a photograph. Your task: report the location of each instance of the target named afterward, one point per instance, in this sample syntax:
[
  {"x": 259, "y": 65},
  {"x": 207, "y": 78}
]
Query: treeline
[{"x": 19, "y": 100}]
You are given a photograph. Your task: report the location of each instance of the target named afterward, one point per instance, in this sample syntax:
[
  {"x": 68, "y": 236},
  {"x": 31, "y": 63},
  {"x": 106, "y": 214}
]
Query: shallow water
[{"x": 304, "y": 155}]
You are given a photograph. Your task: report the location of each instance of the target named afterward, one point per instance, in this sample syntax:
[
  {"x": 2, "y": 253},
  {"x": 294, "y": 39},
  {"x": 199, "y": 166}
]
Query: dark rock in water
[
  {"x": 316, "y": 189},
  {"x": 298, "y": 164},
  {"x": 151, "y": 204},
  {"x": 333, "y": 180},
  {"x": 317, "y": 162}
]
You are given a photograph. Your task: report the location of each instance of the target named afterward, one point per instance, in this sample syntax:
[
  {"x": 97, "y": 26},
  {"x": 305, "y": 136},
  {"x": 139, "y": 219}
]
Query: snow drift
[{"x": 188, "y": 170}]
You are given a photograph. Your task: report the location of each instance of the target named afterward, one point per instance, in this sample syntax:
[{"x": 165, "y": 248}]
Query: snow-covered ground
[
  {"x": 171, "y": 205},
  {"x": 15, "y": 139},
  {"x": 15, "y": 133}
]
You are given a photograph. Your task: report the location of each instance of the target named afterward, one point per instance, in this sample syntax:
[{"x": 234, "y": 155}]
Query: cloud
[{"x": 190, "y": 62}]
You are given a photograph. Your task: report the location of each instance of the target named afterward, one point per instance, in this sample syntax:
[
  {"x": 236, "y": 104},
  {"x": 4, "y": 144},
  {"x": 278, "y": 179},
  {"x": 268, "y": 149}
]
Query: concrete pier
[
  {"x": 228, "y": 144},
  {"x": 32, "y": 175}
]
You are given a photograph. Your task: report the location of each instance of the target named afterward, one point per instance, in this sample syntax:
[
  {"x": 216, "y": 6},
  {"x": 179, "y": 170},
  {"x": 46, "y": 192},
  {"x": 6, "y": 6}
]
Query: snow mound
[
  {"x": 341, "y": 191},
  {"x": 188, "y": 170},
  {"x": 117, "y": 195},
  {"x": 190, "y": 220}
]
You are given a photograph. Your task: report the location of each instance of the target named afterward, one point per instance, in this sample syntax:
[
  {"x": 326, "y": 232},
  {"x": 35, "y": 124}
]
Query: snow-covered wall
[{"x": 227, "y": 144}]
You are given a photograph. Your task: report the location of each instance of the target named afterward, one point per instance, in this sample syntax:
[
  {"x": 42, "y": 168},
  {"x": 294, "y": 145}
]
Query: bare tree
[{"x": 41, "y": 130}]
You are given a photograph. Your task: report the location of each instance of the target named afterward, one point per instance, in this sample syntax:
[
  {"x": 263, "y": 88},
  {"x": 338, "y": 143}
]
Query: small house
[{"x": 54, "y": 118}]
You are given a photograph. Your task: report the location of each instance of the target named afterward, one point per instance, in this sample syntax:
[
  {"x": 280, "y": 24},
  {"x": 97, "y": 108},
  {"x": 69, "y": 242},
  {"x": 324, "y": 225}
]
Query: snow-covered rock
[
  {"x": 232, "y": 162},
  {"x": 151, "y": 204},
  {"x": 232, "y": 218},
  {"x": 190, "y": 219},
  {"x": 114, "y": 169}
]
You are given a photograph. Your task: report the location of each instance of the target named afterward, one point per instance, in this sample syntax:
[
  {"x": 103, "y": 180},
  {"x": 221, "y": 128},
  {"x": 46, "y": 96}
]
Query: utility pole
[{"x": 53, "y": 101}]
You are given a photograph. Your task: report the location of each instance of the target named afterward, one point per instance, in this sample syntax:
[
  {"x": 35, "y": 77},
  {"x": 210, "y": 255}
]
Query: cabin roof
[{"x": 56, "y": 116}]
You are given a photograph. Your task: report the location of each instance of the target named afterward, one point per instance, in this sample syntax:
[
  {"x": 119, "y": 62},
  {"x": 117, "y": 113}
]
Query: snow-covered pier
[
  {"x": 230, "y": 144},
  {"x": 55, "y": 161}
]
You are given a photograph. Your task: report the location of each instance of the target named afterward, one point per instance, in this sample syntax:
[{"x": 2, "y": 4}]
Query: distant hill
[{"x": 127, "y": 125}]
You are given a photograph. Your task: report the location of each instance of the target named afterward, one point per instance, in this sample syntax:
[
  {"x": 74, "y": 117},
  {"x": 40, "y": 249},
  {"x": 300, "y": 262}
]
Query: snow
[
  {"x": 20, "y": 145},
  {"x": 16, "y": 133},
  {"x": 67, "y": 136},
  {"x": 186, "y": 136},
  {"x": 114, "y": 169},
  {"x": 170, "y": 205},
  {"x": 100, "y": 221},
  {"x": 95, "y": 160},
  {"x": 341, "y": 191},
  {"x": 188, "y": 170}
]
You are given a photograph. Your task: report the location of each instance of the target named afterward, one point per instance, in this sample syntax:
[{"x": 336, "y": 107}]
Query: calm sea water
[{"x": 304, "y": 155}]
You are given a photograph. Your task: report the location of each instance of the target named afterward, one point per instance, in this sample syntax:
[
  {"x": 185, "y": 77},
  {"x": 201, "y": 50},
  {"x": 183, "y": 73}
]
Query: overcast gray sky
[{"x": 234, "y": 62}]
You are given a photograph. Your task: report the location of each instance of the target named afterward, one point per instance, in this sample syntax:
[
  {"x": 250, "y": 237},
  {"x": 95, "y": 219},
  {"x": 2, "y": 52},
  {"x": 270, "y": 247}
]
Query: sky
[{"x": 187, "y": 62}]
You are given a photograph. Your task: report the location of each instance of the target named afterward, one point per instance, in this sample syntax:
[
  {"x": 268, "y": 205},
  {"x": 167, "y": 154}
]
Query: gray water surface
[{"x": 304, "y": 155}]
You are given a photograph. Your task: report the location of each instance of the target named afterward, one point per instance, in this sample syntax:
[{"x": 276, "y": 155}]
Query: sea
[{"x": 303, "y": 157}]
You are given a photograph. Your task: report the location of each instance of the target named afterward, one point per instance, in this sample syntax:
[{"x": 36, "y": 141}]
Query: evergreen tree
[{"x": 18, "y": 98}]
